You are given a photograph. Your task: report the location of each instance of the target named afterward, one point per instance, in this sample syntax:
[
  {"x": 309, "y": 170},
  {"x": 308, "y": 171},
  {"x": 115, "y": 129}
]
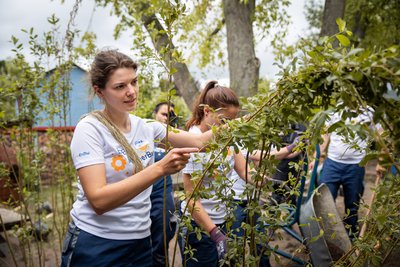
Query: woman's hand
[
  {"x": 176, "y": 159},
  {"x": 218, "y": 236},
  {"x": 380, "y": 170}
]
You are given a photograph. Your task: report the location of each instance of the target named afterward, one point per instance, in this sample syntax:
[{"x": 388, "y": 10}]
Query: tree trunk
[
  {"x": 183, "y": 79},
  {"x": 359, "y": 28},
  {"x": 244, "y": 66},
  {"x": 333, "y": 9}
]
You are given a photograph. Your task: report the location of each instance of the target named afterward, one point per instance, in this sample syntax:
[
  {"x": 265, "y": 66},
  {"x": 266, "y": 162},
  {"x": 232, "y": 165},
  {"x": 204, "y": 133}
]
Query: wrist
[
  {"x": 213, "y": 229},
  {"x": 158, "y": 170},
  {"x": 217, "y": 235},
  {"x": 290, "y": 147}
]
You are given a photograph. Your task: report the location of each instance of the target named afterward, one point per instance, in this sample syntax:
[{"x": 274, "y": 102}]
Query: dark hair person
[
  {"x": 214, "y": 105},
  {"x": 213, "y": 97},
  {"x": 161, "y": 198},
  {"x": 165, "y": 113},
  {"x": 113, "y": 153}
]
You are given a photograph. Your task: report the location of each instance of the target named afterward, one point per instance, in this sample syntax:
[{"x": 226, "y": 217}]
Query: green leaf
[
  {"x": 343, "y": 39},
  {"x": 354, "y": 51},
  {"x": 333, "y": 235},
  {"x": 355, "y": 76},
  {"x": 335, "y": 126},
  {"x": 341, "y": 23},
  {"x": 173, "y": 92},
  {"x": 368, "y": 157},
  {"x": 315, "y": 238}
]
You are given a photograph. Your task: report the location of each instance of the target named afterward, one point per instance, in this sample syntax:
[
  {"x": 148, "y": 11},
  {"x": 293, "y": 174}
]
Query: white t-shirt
[
  {"x": 239, "y": 185},
  {"x": 213, "y": 206},
  {"x": 341, "y": 151},
  {"x": 91, "y": 144}
]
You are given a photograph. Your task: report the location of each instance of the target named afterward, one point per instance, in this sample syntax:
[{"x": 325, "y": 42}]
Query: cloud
[{"x": 24, "y": 14}]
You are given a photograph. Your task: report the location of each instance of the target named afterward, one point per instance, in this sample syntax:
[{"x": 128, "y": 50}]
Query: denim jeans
[
  {"x": 81, "y": 249},
  {"x": 205, "y": 250},
  {"x": 241, "y": 216},
  {"x": 156, "y": 216},
  {"x": 351, "y": 177}
]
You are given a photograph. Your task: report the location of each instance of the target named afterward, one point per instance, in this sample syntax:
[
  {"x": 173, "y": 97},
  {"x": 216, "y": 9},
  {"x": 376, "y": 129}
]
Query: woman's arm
[
  {"x": 104, "y": 197},
  {"x": 283, "y": 153},
  {"x": 323, "y": 148},
  {"x": 180, "y": 138},
  {"x": 240, "y": 168},
  {"x": 195, "y": 207}
]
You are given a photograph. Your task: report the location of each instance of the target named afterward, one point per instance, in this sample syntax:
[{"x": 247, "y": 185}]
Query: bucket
[{"x": 320, "y": 213}]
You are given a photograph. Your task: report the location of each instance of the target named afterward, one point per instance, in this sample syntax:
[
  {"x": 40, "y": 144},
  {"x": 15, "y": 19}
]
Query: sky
[{"x": 24, "y": 14}]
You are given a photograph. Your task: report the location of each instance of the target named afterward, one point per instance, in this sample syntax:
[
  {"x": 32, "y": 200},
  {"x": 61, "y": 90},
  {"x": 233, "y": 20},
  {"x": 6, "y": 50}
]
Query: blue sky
[{"x": 18, "y": 14}]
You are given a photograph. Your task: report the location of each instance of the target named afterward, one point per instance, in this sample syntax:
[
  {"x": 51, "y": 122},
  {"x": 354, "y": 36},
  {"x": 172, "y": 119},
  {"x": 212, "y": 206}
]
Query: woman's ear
[
  {"x": 98, "y": 91},
  {"x": 206, "y": 110}
]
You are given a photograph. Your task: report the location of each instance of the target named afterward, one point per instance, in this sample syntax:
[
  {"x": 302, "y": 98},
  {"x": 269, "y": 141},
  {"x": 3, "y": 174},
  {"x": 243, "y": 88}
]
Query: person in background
[
  {"x": 113, "y": 153},
  {"x": 286, "y": 168},
  {"x": 161, "y": 114},
  {"x": 213, "y": 106},
  {"x": 342, "y": 166}
]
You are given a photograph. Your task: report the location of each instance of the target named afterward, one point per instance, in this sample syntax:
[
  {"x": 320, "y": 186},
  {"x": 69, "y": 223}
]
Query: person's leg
[
  {"x": 264, "y": 261},
  {"x": 203, "y": 252},
  {"x": 157, "y": 220},
  {"x": 332, "y": 176},
  {"x": 69, "y": 245},
  {"x": 240, "y": 216},
  {"x": 262, "y": 247},
  {"x": 171, "y": 212},
  {"x": 238, "y": 232},
  {"x": 85, "y": 249},
  {"x": 353, "y": 189}
]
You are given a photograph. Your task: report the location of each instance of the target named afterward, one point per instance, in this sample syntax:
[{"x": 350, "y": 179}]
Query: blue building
[{"x": 71, "y": 104}]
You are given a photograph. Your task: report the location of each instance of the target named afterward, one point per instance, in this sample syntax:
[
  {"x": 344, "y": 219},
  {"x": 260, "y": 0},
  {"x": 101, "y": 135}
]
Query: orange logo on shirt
[
  {"x": 118, "y": 163},
  {"x": 144, "y": 147},
  {"x": 215, "y": 173},
  {"x": 229, "y": 152}
]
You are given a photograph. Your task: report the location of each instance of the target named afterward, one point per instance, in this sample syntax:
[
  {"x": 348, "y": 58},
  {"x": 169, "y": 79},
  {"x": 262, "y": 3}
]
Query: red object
[{"x": 55, "y": 128}]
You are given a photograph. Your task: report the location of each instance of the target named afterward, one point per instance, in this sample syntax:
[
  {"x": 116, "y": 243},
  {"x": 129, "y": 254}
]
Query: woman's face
[
  {"x": 216, "y": 117},
  {"x": 121, "y": 91}
]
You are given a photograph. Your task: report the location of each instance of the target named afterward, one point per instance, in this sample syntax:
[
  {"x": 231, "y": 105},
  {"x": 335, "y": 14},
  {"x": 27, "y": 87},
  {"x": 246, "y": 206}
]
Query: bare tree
[
  {"x": 243, "y": 64},
  {"x": 238, "y": 17},
  {"x": 333, "y": 9},
  {"x": 183, "y": 79}
]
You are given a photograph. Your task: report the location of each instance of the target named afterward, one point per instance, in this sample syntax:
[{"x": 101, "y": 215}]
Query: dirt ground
[{"x": 287, "y": 243}]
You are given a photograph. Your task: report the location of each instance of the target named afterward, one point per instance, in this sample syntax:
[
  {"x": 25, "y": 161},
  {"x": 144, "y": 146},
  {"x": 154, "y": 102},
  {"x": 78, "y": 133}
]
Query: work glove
[
  {"x": 218, "y": 236},
  {"x": 296, "y": 141}
]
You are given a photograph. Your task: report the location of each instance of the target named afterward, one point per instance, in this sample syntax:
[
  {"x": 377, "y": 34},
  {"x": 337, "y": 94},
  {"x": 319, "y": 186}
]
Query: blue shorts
[{"x": 83, "y": 249}]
